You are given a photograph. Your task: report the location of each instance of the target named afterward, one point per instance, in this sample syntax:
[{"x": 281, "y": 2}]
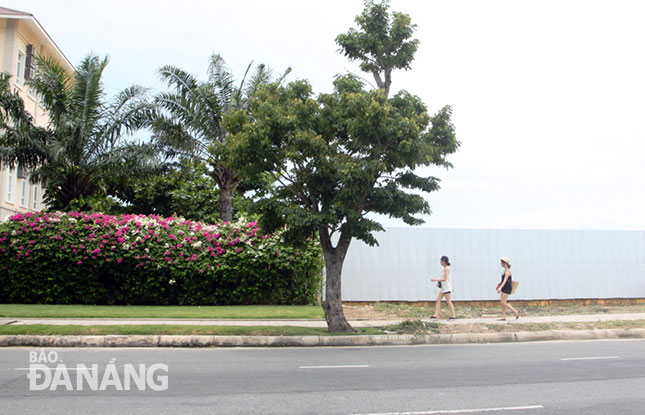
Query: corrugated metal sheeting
[{"x": 550, "y": 264}]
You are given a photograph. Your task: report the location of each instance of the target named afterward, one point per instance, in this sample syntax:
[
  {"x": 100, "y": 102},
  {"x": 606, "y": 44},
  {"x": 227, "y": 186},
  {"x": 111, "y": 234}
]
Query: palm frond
[
  {"x": 261, "y": 76},
  {"x": 129, "y": 111},
  {"x": 283, "y": 76},
  {"x": 21, "y": 142},
  {"x": 221, "y": 80},
  {"x": 178, "y": 79},
  {"x": 53, "y": 84},
  {"x": 88, "y": 93},
  {"x": 172, "y": 135}
]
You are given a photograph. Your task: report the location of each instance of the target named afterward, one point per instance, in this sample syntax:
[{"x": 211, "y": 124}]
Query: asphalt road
[{"x": 584, "y": 377}]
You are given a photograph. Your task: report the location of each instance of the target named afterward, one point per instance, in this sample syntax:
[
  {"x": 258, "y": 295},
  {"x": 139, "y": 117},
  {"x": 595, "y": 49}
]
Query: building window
[
  {"x": 9, "y": 184},
  {"x": 23, "y": 194},
  {"x": 35, "y": 203},
  {"x": 20, "y": 69}
]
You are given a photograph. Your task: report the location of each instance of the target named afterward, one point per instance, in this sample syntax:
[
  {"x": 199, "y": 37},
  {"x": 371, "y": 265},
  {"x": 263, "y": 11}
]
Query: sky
[{"x": 548, "y": 96}]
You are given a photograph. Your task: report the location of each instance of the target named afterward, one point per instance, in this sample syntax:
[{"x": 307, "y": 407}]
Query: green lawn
[
  {"x": 44, "y": 329},
  {"x": 136, "y": 311}
]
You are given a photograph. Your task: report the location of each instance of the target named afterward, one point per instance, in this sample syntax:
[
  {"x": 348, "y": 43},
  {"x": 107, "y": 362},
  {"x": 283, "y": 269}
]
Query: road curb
[{"x": 311, "y": 341}]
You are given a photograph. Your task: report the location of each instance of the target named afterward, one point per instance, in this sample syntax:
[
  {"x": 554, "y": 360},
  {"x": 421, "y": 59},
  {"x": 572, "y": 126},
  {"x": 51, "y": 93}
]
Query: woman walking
[
  {"x": 505, "y": 287},
  {"x": 445, "y": 289}
]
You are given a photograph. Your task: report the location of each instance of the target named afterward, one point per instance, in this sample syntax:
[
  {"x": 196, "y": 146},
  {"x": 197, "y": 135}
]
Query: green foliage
[
  {"x": 97, "y": 202},
  {"x": 80, "y": 258},
  {"x": 16, "y": 125},
  {"x": 187, "y": 120},
  {"x": 184, "y": 189},
  {"x": 339, "y": 156},
  {"x": 382, "y": 42},
  {"x": 85, "y": 141}
]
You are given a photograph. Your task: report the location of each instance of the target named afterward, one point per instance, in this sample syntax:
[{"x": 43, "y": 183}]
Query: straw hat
[{"x": 506, "y": 259}]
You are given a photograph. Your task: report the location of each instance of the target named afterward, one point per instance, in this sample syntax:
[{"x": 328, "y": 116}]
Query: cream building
[{"x": 22, "y": 37}]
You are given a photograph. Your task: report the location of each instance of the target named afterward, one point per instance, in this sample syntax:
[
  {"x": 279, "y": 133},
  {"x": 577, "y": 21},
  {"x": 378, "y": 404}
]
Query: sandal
[
  {"x": 501, "y": 319},
  {"x": 434, "y": 318},
  {"x": 517, "y": 316},
  {"x": 452, "y": 318}
]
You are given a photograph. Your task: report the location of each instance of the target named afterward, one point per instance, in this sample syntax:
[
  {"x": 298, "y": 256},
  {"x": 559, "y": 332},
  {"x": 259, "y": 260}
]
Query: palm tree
[
  {"x": 188, "y": 119},
  {"x": 16, "y": 125},
  {"x": 86, "y": 139}
]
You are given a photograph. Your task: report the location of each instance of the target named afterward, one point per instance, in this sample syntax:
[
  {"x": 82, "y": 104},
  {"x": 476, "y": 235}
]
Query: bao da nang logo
[{"x": 47, "y": 371}]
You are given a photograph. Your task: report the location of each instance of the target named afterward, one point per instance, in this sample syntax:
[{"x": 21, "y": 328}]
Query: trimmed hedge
[{"x": 81, "y": 258}]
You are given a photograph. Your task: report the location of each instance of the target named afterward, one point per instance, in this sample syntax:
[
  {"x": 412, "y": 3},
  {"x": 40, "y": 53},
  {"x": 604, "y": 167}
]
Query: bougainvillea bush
[{"x": 93, "y": 258}]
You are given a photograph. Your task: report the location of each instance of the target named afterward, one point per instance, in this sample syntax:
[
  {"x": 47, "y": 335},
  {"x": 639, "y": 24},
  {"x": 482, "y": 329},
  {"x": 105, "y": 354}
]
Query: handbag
[
  {"x": 439, "y": 284},
  {"x": 514, "y": 285}
]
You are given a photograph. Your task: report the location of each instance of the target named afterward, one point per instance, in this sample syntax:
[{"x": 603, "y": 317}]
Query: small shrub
[{"x": 93, "y": 258}]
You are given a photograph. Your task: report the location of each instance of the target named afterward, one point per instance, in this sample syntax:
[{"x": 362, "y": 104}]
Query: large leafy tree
[
  {"x": 188, "y": 119},
  {"x": 86, "y": 140},
  {"x": 338, "y": 157}
]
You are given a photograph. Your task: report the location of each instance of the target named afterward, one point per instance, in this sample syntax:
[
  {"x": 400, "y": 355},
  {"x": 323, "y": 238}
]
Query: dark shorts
[{"x": 507, "y": 288}]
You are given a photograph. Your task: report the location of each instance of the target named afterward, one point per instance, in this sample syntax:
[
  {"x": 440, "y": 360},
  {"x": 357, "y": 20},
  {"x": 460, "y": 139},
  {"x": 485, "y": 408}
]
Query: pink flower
[
  {"x": 96, "y": 251},
  {"x": 17, "y": 217},
  {"x": 118, "y": 261},
  {"x": 79, "y": 262}
]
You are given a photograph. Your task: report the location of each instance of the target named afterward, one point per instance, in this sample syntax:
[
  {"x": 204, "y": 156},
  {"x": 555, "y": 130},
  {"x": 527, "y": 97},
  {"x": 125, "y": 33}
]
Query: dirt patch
[
  {"x": 370, "y": 312},
  {"x": 393, "y": 310},
  {"x": 516, "y": 327},
  {"x": 424, "y": 327}
]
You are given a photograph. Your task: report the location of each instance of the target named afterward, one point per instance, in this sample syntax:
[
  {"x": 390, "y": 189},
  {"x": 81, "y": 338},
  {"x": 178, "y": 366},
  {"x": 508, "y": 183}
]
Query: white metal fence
[{"x": 550, "y": 264}]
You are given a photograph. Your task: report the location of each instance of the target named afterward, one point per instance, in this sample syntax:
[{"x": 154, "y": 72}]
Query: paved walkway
[{"x": 579, "y": 318}]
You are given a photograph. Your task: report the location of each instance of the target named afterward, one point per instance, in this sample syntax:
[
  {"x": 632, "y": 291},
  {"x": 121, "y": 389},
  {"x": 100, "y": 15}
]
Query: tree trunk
[
  {"x": 333, "y": 305},
  {"x": 226, "y": 204},
  {"x": 227, "y": 181},
  {"x": 385, "y": 83}
]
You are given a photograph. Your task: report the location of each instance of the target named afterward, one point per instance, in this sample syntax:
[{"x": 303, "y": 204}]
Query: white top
[{"x": 447, "y": 284}]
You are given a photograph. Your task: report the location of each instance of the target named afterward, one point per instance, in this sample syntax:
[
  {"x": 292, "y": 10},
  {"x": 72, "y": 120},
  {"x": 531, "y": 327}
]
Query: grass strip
[
  {"x": 143, "y": 311},
  {"x": 79, "y": 330}
]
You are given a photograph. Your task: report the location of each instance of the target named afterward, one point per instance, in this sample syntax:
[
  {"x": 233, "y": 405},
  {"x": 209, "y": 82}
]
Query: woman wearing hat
[{"x": 505, "y": 287}]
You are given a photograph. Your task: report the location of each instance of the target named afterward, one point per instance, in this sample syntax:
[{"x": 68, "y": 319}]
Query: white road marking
[
  {"x": 460, "y": 411},
  {"x": 591, "y": 358},
  {"x": 333, "y": 367}
]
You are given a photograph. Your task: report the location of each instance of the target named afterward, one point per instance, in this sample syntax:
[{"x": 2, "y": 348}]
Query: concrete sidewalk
[{"x": 578, "y": 318}]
